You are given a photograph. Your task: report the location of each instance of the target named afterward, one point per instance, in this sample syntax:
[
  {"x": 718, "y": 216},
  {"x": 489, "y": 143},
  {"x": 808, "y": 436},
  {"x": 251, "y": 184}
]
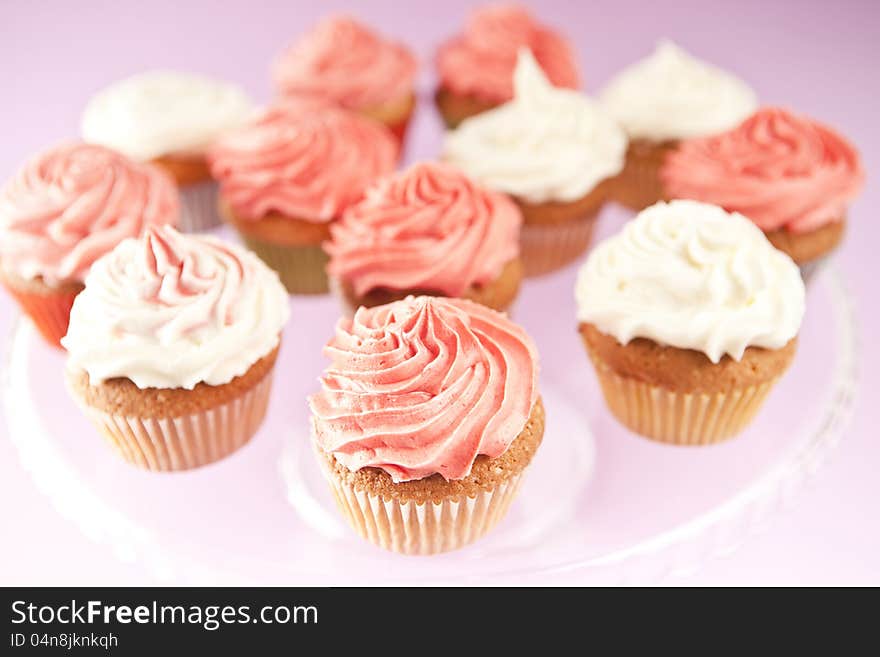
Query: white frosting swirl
[
  {"x": 671, "y": 95},
  {"x": 547, "y": 144},
  {"x": 690, "y": 275},
  {"x": 172, "y": 310},
  {"x": 161, "y": 112}
]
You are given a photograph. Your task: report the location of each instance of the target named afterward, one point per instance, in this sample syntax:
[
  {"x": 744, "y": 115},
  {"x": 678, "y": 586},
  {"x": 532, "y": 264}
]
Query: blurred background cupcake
[
  {"x": 356, "y": 68},
  {"x": 290, "y": 172},
  {"x": 689, "y": 316},
  {"x": 551, "y": 149},
  {"x": 170, "y": 119},
  {"x": 792, "y": 176},
  {"x": 475, "y": 68},
  {"x": 662, "y": 99},
  {"x": 172, "y": 345},
  {"x": 428, "y": 416},
  {"x": 427, "y": 230},
  {"x": 64, "y": 209}
]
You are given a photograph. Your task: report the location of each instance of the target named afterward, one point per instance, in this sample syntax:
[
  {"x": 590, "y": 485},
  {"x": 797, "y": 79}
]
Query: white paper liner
[
  {"x": 547, "y": 247},
  {"x": 421, "y": 529},
  {"x": 680, "y": 418},
  {"x": 198, "y": 207},
  {"x": 187, "y": 441}
]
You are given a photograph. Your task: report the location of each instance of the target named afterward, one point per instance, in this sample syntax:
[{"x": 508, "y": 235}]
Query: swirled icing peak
[
  {"x": 347, "y": 62},
  {"x": 427, "y": 228},
  {"x": 423, "y": 386},
  {"x": 690, "y": 275},
  {"x": 780, "y": 169},
  {"x": 303, "y": 159},
  {"x": 172, "y": 310},
  {"x": 480, "y": 62},
  {"x": 162, "y": 112},
  {"x": 547, "y": 144},
  {"x": 671, "y": 95},
  {"x": 71, "y": 204}
]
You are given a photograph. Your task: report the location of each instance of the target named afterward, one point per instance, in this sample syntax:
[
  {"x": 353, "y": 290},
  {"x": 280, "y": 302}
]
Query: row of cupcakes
[
  {"x": 429, "y": 411},
  {"x": 557, "y": 152}
]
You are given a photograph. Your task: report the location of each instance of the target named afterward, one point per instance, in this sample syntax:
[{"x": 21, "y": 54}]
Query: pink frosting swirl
[
  {"x": 427, "y": 228},
  {"x": 347, "y": 62},
  {"x": 73, "y": 203},
  {"x": 423, "y": 386},
  {"x": 480, "y": 62},
  {"x": 302, "y": 159},
  {"x": 780, "y": 169}
]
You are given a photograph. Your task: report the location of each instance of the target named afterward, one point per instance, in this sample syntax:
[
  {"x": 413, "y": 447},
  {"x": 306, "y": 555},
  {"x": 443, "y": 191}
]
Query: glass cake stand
[{"x": 598, "y": 502}]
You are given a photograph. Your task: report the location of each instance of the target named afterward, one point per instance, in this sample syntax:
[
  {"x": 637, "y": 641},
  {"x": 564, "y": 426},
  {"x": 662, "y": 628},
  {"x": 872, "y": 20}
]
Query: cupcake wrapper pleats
[
  {"x": 187, "y": 441},
  {"x": 638, "y": 185},
  {"x": 547, "y": 247},
  {"x": 198, "y": 207},
  {"x": 680, "y": 418},
  {"x": 302, "y": 269},
  {"x": 427, "y": 528}
]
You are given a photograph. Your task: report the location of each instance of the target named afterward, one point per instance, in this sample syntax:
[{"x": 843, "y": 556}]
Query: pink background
[{"x": 817, "y": 57}]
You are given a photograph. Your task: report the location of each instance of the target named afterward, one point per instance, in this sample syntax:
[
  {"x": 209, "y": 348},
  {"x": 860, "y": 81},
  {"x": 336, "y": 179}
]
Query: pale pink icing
[
  {"x": 423, "y": 386},
  {"x": 75, "y": 202},
  {"x": 302, "y": 159},
  {"x": 779, "y": 169},
  {"x": 171, "y": 310},
  {"x": 347, "y": 62},
  {"x": 480, "y": 62},
  {"x": 427, "y": 228}
]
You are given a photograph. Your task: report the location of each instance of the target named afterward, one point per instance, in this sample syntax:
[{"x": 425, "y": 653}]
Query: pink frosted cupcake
[
  {"x": 427, "y": 230},
  {"x": 172, "y": 345},
  {"x": 350, "y": 64},
  {"x": 476, "y": 67},
  {"x": 792, "y": 176},
  {"x": 291, "y": 172},
  {"x": 65, "y": 208},
  {"x": 428, "y": 416}
]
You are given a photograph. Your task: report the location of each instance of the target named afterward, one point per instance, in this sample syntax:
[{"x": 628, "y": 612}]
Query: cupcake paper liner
[
  {"x": 186, "y": 441},
  {"x": 399, "y": 130},
  {"x": 50, "y": 312},
  {"x": 302, "y": 269},
  {"x": 547, "y": 247},
  {"x": 426, "y": 528},
  {"x": 680, "y": 418},
  {"x": 811, "y": 268},
  {"x": 638, "y": 185},
  {"x": 198, "y": 207}
]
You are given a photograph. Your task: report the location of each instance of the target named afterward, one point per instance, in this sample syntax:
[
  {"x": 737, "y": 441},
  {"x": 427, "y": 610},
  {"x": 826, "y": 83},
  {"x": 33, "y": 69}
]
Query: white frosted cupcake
[
  {"x": 170, "y": 119},
  {"x": 662, "y": 99},
  {"x": 690, "y": 316},
  {"x": 551, "y": 149},
  {"x": 171, "y": 347}
]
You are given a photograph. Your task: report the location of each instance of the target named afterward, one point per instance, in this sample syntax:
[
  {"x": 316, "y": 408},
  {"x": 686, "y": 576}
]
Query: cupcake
[
  {"x": 428, "y": 415},
  {"x": 172, "y": 345},
  {"x": 689, "y": 316},
  {"x": 553, "y": 150},
  {"x": 290, "y": 172},
  {"x": 169, "y": 119},
  {"x": 475, "y": 68},
  {"x": 661, "y": 100},
  {"x": 65, "y": 208},
  {"x": 427, "y": 230},
  {"x": 792, "y": 176},
  {"x": 355, "y": 68}
]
